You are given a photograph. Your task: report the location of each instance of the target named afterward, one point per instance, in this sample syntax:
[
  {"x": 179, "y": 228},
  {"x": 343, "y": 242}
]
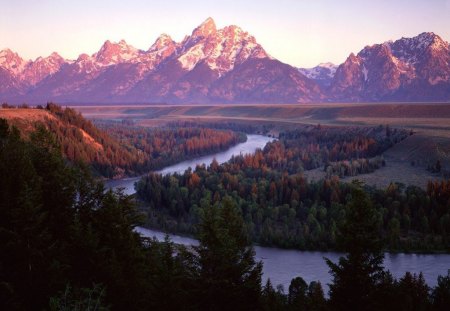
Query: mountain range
[{"x": 228, "y": 65}]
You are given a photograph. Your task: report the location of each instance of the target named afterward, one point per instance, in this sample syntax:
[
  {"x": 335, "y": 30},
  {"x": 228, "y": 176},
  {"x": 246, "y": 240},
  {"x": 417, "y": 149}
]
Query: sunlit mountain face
[{"x": 228, "y": 65}]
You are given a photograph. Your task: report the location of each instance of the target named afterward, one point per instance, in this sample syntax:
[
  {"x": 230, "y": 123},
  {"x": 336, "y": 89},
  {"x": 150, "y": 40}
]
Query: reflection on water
[{"x": 281, "y": 265}]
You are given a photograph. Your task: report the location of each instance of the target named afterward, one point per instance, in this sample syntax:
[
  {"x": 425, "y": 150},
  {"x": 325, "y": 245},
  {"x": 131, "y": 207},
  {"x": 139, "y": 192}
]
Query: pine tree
[
  {"x": 412, "y": 293},
  {"x": 24, "y": 236},
  {"x": 59, "y": 227},
  {"x": 271, "y": 299},
  {"x": 316, "y": 297},
  {"x": 229, "y": 276},
  {"x": 357, "y": 274},
  {"x": 297, "y": 294},
  {"x": 441, "y": 293}
]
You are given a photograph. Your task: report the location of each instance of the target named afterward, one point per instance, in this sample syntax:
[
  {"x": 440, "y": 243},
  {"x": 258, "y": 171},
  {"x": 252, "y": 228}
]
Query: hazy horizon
[{"x": 300, "y": 33}]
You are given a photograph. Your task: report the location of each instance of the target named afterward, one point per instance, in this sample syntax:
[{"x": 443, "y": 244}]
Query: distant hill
[
  {"x": 115, "y": 149},
  {"x": 79, "y": 139},
  {"x": 228, "y": 65}
]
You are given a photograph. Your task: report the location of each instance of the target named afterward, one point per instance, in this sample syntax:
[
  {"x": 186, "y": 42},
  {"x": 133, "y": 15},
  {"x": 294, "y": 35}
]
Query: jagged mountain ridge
[
  {"x": 409, "y": 69},
  {"x": 228, "y": 66}
]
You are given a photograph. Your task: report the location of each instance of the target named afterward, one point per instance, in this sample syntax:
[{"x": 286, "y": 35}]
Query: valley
[
  {"x": 407, "y": 162},
  {"x": 228, "y": 155},
  {"x": 284, "y": 196}
]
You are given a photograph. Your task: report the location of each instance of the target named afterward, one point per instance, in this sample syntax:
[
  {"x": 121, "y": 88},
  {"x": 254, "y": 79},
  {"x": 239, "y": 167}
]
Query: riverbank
[
  {"x": 282, "y": 265},
  {"x": 252, "y": 143},
  {"x": 189, "y": 235}
]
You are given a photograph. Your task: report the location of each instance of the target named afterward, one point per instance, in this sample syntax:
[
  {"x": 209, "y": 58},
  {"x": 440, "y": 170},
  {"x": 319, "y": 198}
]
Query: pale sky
[{"x": 302, "y": 33}]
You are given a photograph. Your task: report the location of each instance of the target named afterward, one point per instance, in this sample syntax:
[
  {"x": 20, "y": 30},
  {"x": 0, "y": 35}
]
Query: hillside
[
  {"x": 117, "y": 149},
  {"x": 79, "y": 139}
]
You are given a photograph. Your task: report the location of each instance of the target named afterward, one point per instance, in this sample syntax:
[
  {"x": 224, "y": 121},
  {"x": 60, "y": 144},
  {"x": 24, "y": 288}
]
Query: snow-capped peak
[
  {"x": 6, "y": 53},
  {"x": 219, "y": 49},
  {"x": 53, "y": 58},
  {"x": 164, "y": 40},
  {"x": 438, "y": 43},
  {"x": 12, "y": 61},
  {"x": 83, "y": 57},
  {"x": 42, "y": 67},
  {"x": 115, "y": 53},
  {"x": 207, "y": 28},
  {"x": 353, "y": 58},
  {"x": 328, "y": 65},
  {"x": 424, "y": 39},
  {"x": 123, "y": 43},
  {"x": 323, "y": 72},
  {"x": 55, "y": 55},
  {"x": 409, "y": 50}
]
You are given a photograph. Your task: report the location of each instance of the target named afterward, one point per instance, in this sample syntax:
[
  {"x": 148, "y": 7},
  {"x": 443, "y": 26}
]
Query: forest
[
  {"x": 164, "y": 146},
  {"x": 282, "y": 208},
  {"x": 311, "y": 147},
  {"x": 67, "y": 244},
  {"x": 116, "y": 150}
]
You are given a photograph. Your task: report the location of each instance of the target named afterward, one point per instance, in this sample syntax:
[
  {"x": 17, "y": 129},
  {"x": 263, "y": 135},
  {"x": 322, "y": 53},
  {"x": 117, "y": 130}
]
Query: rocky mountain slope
[
  {"x": 323, "y": 73},
  {"x": 409, "y": 69},
  {"x": 228, "y": 66}
]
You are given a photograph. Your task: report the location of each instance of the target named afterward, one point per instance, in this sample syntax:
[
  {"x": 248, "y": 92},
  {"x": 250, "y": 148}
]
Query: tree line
[
  {"x": 282, "y": 208},
  {"x": 311, "y": 147},
  {"x": 161, "y": 147},
  {"x": 118, "y": 150},
  {"x": 67, "y": 244}
]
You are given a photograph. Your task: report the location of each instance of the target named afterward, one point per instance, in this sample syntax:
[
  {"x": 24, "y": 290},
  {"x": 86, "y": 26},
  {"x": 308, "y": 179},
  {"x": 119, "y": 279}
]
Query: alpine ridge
[
  {"x": 409, "y": 69},
  {"x": 228, "y": 65}
]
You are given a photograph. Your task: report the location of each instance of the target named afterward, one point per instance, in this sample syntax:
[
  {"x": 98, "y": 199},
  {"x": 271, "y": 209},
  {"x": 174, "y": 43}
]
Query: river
[
  {"x": 253, "y": 143},
  {"x": 282, "y": 265}
]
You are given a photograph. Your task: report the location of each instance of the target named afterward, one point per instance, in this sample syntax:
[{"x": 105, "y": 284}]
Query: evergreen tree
[
  {"x": 271, "y": 299},
  {"x": 316, "y": 297},
  {"x": 297, "y": 298},
  {"x": 412, "y": 293},
  {"x": 441, "y": 293},
  {"x": 229, "y": 276},
  {"x": 25, "y": 238},
  {"x": 171, "y": 276},
  {"x": 58, "y": 227},
  {"x": 357, "y": 275}
]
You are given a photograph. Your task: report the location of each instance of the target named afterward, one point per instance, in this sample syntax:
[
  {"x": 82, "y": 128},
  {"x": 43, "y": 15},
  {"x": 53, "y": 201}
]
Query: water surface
[
  {"x": 281, "y": 265},
  {"x": 253, "y": 143}
]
